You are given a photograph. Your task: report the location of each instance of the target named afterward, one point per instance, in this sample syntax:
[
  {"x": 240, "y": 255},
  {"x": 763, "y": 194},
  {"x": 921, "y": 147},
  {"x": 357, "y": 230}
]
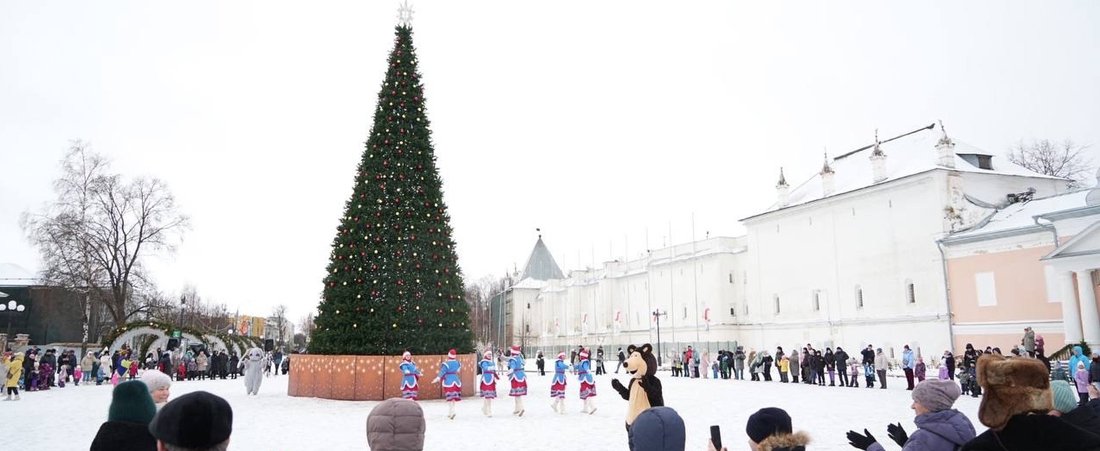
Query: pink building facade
[{"x": 1034, "y": 264}]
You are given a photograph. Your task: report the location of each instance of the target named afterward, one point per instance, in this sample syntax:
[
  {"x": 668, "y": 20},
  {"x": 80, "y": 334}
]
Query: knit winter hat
[
  {"x": 767, "y": 422},
  {"x": 131, "y": 403},
  {"x": 936, "y": 395},
  {"x": 1065, "y": 399},
  {"x": 452, "y": 354},
  {"x": 155, "y": 380},
  {"x": 658, "y": 429},
  {"x": 515, "y": 350}
]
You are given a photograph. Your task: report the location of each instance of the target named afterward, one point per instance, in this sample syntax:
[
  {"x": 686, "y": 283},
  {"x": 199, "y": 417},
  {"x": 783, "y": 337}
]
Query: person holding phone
[{"x": 769, "y": 429}]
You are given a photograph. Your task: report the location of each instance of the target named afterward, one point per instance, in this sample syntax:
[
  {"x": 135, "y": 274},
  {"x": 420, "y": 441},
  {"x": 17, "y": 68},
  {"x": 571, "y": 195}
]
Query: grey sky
[{"x": 596, "y": 121}]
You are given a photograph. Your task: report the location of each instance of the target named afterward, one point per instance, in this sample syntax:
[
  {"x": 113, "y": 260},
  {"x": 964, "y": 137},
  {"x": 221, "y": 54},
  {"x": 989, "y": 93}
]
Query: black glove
[
  {"x": 618, "y": 385},
  {"x": 897, "y": 434},
  {"x": 860, "y": 441}
]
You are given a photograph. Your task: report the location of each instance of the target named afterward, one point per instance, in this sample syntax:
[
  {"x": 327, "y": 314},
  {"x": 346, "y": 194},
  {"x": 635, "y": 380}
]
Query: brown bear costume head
[
  {"x": 641, "y": 362},
  {"x": 1012, "y": 386}
]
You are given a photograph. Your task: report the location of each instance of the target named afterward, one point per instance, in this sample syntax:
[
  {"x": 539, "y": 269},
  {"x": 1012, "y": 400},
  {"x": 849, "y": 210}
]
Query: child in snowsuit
[
  {"x": 853, "y": 367},
  {"x": 1081, "y": 378},
  {"x": 11, "y": 379}
]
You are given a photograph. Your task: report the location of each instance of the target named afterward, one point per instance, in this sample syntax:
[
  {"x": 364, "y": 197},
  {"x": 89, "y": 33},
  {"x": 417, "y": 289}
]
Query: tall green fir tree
[{"x": 393, "y": 281}]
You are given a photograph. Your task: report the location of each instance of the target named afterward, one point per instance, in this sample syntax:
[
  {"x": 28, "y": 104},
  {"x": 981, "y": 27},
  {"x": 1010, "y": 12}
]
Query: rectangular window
[
  {"x": 731, "y": 277},
  {"x": 910, "y": 293},
  {"x": 986, "y": 289},
  {"x": 817, "y": 300},
  {"x": 859, "y": 297},
  {"x": 776, "y": 304},
  {"x": 733, "y": 311}
]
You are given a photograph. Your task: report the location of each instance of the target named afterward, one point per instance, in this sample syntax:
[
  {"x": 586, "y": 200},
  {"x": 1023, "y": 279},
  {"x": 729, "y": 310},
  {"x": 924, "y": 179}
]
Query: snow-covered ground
[{"x": 68, "y": 418}]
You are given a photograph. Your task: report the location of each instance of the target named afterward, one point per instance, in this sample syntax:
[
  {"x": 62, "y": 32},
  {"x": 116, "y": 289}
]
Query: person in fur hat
[
  {"x": 939, "y": 427},
  {"x": 1015, "y": 408},
  {"x": 769, "y": 429}
]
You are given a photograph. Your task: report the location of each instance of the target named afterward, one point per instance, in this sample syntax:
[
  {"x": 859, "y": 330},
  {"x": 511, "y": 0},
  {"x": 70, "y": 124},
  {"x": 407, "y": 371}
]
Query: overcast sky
[{"x": 600, "y": 122}]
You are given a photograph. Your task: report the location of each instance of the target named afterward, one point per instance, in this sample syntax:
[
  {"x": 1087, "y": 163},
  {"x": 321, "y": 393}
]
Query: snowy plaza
[{"x": 275, "y": 421}]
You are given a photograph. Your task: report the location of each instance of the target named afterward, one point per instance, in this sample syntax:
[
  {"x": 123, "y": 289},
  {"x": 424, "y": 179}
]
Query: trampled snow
[{"x": 68, "y": 418}]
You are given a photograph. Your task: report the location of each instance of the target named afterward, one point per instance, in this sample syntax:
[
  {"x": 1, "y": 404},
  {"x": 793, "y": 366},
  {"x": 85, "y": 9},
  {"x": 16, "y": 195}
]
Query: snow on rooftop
[
  {"x": 1021, "y": 215},
  {"x": 13, "y": 275},
  {"x": 908, "y": 154}
]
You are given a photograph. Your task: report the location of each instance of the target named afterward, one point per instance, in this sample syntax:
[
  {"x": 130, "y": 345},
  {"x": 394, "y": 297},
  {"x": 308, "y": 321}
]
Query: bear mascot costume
[
  {"x": 644, "y": 390},
  {"x": 252, "y": 366}
]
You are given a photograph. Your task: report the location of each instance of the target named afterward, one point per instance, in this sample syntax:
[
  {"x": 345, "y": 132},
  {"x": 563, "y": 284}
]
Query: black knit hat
[
  {"x": 131, "y": 403},
  {"x": 767, "y": 422},
  {"x": 194, "y": 420}
]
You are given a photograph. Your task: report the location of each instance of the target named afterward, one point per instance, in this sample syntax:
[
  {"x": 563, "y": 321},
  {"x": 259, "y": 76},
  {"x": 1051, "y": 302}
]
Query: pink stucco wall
[
  {"x": 1019, "y": 280},
  {"x": 1053, "y": 342}
]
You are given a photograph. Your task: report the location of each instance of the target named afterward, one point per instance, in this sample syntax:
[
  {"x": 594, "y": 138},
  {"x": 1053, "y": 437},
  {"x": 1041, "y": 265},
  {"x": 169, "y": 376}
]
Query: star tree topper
[{"x": 405, "y": 14}]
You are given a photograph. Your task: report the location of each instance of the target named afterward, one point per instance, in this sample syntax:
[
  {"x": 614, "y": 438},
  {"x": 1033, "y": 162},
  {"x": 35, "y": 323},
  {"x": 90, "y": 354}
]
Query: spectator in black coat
[{"x": 840, "y": 359}]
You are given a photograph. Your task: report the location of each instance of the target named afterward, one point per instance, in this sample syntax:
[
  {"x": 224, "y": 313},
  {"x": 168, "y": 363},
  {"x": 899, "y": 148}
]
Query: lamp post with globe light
[{"x": 11, "y": 307}]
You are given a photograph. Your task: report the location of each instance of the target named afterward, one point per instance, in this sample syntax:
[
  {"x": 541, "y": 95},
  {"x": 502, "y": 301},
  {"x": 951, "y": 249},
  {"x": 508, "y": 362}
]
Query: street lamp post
[
  {"x": 12, "y": 307},
  {"x": 657, "y": 314},
  {"x": 183, "y": 302}
]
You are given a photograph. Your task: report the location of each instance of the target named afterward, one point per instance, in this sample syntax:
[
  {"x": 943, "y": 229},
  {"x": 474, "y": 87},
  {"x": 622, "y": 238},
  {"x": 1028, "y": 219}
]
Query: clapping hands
[{"x": 861, "y": 441}]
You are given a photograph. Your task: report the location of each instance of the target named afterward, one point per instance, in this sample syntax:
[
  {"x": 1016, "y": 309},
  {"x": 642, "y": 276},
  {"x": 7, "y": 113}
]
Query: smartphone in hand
[{"x": 716, "y": 437}]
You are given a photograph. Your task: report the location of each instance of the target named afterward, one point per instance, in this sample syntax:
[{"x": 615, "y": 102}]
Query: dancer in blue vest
[
  {"x": 410, "y": 377},
  {"x": 518, "y": 378},
  {"x": 557, "y": 384},
  {"x": 488, "y": 382},
  {"x": 452, "y": 384},
  {"x": 588, "y": 384}
]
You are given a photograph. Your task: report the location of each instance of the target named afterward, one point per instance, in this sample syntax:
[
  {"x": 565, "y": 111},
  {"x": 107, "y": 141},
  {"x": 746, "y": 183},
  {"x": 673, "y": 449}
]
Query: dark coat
[
  {"x": 1086, "y": 417},
  {"x": 830, "y": 360},
  {"x": 123, "y": 436},
  {"x": 841, "y": 359},
  {"x": 868, "y": 356},
  {"x": 1028, "y": 432}
]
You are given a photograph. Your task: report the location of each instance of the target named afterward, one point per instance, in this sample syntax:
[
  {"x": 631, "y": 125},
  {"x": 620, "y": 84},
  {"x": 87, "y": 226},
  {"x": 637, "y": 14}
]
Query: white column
[
  {"x": 1071, "y": 316},
  {"x": 1090, "y": 318}
]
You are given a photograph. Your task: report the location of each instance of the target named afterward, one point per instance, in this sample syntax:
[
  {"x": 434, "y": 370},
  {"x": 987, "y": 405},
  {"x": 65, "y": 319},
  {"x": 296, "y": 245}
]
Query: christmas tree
[{"x": 393, "y": 282}]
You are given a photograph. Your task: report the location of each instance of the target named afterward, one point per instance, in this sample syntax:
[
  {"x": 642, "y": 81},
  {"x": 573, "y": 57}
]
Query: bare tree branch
[
  {"x": 1067, "y": 160},
  {"x": 96, "y": 233}
]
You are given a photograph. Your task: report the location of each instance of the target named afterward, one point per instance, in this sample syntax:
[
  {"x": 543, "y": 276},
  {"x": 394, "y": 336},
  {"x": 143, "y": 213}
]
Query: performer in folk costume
[
  {"x": 557, "y": 385},
  {"x": 588, "y": 384},
  {"x": 518, "y": 378},
  {"x": 452, "y": 384},
  {"x": 488, "y": 382},
  {"x": 410, "y": 377}
]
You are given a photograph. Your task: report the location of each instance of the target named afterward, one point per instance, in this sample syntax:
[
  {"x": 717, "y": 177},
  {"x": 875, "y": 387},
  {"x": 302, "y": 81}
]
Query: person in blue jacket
[
  {"x": 557, "y": 384},
  {"x": 518, "y": 378},
  {"x": 588, "y": 384},
  {"x": 488, "y": 382},
  {"x": 452, "y": 384},
  {"x": 410, "y": 377}
]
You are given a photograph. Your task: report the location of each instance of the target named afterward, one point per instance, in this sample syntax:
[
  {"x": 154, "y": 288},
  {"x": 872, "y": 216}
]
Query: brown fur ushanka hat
[{"x": 1012, "y": 386}]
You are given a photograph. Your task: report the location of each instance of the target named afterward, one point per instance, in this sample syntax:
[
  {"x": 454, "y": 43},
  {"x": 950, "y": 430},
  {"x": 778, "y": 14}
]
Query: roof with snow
[
  {"x": 906, "y": 154},
  {"x": 13, "y": 275},
  {"x": 1019, "y": 218},
  {"x": 541, "y": 265}
]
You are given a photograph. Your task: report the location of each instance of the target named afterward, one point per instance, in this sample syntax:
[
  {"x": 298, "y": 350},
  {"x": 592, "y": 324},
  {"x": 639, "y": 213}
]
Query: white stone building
[{"x": 849, "y": 256}]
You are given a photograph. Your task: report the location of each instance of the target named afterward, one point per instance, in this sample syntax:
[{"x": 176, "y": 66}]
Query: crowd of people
[{"x": 38, "y": 370}]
